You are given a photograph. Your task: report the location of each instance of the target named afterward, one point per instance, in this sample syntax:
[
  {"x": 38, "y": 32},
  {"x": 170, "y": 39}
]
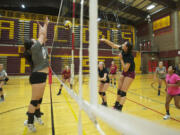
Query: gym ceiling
[{"x": 120, "y": 11}]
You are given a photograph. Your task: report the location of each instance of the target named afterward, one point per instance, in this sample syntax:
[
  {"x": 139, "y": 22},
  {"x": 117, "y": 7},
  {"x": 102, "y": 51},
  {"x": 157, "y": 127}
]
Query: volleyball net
[{"x": 71, "y": 49}]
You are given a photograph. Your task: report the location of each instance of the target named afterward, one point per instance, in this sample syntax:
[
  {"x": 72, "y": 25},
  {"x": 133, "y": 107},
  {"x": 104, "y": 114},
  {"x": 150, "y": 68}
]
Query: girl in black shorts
[
  {"x": 104, "y": 82},
  {"x": 128, "y": 74},
  {"x": 37, "y": 56}
]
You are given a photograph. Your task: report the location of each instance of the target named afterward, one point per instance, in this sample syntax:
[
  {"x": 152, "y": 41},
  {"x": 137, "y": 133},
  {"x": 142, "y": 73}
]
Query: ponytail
[{"x": 27, "y": 53}]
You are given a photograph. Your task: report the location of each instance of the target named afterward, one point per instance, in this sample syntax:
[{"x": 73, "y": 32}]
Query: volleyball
[{"x": 67, "y": 24}]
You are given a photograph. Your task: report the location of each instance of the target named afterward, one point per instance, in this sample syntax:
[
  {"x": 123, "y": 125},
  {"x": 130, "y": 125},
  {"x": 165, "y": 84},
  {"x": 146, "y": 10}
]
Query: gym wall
[
  {"x": 13, "y": 32},
  {"x": 164, "y": 37}
]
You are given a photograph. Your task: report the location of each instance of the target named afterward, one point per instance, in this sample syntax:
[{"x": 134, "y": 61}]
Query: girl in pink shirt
[{"x": 173, "y": 89}]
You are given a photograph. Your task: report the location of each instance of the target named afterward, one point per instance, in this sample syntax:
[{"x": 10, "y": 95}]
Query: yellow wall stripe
[{"x": 9, "y": 54}]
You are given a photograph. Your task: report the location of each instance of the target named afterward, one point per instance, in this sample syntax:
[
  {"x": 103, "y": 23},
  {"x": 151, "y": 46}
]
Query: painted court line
[
  {"x": 147, "y": 107},
  {"x": 74, "y": 114}
]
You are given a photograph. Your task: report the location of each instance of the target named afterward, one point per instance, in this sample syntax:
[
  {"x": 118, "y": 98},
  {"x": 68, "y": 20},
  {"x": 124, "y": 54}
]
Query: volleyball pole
[
  {"x": 52, "y": 114},
  {"x": 50, "y": 72},
  {"x": 72, "y": 52},
  {"x": 80, "y": 68},
  {"x": 93, "y": 50}
]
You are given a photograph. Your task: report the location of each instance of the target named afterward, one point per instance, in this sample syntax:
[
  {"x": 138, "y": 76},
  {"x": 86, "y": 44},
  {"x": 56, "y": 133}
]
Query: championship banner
[{"x": 162, "y": 23}]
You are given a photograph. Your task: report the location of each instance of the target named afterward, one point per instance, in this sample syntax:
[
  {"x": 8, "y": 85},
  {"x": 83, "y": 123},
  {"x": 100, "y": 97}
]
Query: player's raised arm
[
  {"x": 43, "y": 31},
  {"x": 111, "y": 44}
]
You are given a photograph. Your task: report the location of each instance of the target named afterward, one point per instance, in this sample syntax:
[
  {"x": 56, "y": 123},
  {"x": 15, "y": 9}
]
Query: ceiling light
[
  {"x": 150, "y": 7},
  {"x": 118, "y": 25},
  {"x": 23, "y": 6},
  {"x": 99, "y": 19}
]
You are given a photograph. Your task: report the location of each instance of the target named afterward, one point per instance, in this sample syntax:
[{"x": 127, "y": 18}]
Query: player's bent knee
[
  {"x": 121, "y": 93},
  {"x": 103, "y": 93},
  {"x": 34, "y": 103},
  {"x": 100, "y": 93}
]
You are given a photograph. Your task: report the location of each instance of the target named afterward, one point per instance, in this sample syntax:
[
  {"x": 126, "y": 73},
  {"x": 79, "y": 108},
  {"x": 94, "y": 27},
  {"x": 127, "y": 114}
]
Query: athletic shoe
[
  {"x": 38, "y": 120},
  {"x": 104, "y": 103},
  {"x": 1, "y": 100},
  {"x": 159, "y": 92},
  {"x": 114, "y": 86},
  {"x": 71, "y": 86},
  {"x": 31, "y": 127},
  {"x": 41, "y": 113},
  {"x": 59, "y": 93},
  {"x": 117, "y": 107},
  {"x": 166, "y": 117}
]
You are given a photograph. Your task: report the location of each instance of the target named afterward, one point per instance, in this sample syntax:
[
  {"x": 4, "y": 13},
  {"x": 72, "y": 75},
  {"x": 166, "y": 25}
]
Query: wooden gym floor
[{"x": 142, "y": 101}]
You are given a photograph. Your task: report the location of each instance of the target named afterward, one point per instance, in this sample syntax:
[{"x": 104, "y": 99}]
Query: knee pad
[
  {"x": 34, "y": 102},
  {"x": 6, "y": 79},
  {"x": 40, "y": 100},
  {"x": 121, "y": 93},
  {"x": 1, "y": 89},
  {"x": 100, "y": 93},
  {"x": 103, "y": 93},
  {"x": 159, "y": 86}
]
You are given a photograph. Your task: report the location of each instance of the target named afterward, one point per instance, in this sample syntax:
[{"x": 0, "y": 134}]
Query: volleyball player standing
[
  {"x": 104, "y": 82},
  {"x": 173, "y": 90},
  {"x": 3, "y": 79},
  {"x": 37, "y": 55},
  {"x": 113, "y": 70},
  {"x": 66, "y": 76},
  {"x": 161, "y": 75},
  {"x": 128, "y": 74}
]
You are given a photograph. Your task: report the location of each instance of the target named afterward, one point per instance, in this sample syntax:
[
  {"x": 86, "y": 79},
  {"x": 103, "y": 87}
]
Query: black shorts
[
  {"x": 105, "y": 81},
  {"x": 4, "y": 80},
  {"x": 37, "y": 77}
]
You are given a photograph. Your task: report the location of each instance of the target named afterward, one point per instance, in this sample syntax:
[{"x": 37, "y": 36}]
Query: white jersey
[
  {"x": 161, "y": 72},
  {"x": 3, "y": 74}
]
